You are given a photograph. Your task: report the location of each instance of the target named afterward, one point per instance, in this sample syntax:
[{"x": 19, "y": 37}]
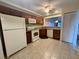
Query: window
[{"x": 53, "y": 22}]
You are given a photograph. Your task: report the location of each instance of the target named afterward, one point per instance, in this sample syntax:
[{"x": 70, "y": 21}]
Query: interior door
[{"x": 68, "y": 27}]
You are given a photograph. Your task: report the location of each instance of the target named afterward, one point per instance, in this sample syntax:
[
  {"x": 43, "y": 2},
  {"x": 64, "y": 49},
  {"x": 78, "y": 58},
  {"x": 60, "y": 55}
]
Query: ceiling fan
[
  {"x": 45, "y": 6},
  {"x": 49, "y": 9}
]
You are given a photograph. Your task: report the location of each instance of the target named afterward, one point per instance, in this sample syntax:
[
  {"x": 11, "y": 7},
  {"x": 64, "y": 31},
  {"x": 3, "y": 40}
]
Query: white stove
[{"x": 35, "y": 35}]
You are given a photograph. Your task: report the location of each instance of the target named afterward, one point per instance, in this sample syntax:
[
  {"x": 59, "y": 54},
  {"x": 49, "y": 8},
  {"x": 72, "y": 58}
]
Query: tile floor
[{"x": 47, "y": 49}]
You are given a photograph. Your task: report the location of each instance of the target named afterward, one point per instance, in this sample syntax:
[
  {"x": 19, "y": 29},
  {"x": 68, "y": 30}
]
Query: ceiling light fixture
[{"x": 48, "y": 9}]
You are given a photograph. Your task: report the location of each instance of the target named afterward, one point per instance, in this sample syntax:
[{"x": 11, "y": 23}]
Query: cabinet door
[
  {"x": 43, "y": 33},
  {"x": 50, "y": 33},
  {"x": 29, "y": 37},
  {"x": 39, "y": 20},
  {"x": 56, "y": 34}
]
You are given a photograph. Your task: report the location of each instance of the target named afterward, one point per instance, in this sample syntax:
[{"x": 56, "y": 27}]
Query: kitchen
[
  {"x": 37, "y": 33},
  {"x": 45, "y": 30},
  {"x": 35, "y": 29}
]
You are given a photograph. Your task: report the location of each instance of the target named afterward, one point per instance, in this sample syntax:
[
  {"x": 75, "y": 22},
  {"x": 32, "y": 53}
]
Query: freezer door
[
  {"x": 12, "y": 22},
  {"x": 15, "y": 40},
  {"x": 1, "y": 51}
]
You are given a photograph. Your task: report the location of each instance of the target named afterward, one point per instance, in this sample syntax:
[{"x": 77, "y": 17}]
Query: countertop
[
  {"x": 35, "y": 27},
  {"x": 53, "y": 28}
]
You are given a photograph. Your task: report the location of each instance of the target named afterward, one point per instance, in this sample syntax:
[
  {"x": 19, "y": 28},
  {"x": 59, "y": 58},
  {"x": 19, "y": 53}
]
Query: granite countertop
[
  {"x": 31, "y": 28},
  {"x": 52, "y": 27}
]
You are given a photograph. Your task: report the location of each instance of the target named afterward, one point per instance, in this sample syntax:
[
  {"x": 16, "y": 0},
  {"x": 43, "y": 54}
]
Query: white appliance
[
  {"x": 50, "y": 33},
  {"x": 31, "y": 20},
  {"x": 1, "y": 50},
  {"x": 35, "y": 35},
  {"x": 14, "y": 32}
]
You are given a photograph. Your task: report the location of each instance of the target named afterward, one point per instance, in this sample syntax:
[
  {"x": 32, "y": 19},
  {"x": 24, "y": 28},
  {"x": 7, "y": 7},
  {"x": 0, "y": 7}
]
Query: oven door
[{"x": 35, "y": 35}]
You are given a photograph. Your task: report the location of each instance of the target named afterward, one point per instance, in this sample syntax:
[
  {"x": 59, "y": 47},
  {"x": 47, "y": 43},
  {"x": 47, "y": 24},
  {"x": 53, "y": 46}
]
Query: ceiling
[{"x": 38, "y": 6}]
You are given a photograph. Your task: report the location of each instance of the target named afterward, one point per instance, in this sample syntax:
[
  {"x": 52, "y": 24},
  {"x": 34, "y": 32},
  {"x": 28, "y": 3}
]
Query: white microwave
[{"x": 31, "y": 20}]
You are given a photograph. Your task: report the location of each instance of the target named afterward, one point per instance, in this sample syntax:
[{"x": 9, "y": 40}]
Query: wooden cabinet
[
  {"x": 43, "y": 33},
  {"x": 29, "y": 37},
  {"x": 56, "y": 34},
  {"x": 51, "y": 33},
  {"x": 39, "y": 20}
]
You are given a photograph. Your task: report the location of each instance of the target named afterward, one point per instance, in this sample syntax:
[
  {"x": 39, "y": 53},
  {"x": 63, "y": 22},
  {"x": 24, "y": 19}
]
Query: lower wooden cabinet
[
  {"x": 43, "y": 33},
  {"x": 29, "y": 37},
  {"x": 52, "y": 33},
  {"x": 56, "y": 34}
]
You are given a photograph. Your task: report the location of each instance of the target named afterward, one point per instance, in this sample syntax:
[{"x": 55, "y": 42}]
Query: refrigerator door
[
  {"x": 1, "y": 51},
  {"x": 12, "y": 22},
  {"x": 15, "y": 40}
]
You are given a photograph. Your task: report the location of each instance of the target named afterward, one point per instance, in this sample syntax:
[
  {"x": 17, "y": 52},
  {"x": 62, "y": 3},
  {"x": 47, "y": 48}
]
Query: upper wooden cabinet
[{"x": 39, "y": 20}]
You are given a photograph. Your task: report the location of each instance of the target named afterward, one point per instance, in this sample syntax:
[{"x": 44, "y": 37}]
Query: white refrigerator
[
  {"x": 1, "y": 50},
  {"x": 14, "y": 32}
]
